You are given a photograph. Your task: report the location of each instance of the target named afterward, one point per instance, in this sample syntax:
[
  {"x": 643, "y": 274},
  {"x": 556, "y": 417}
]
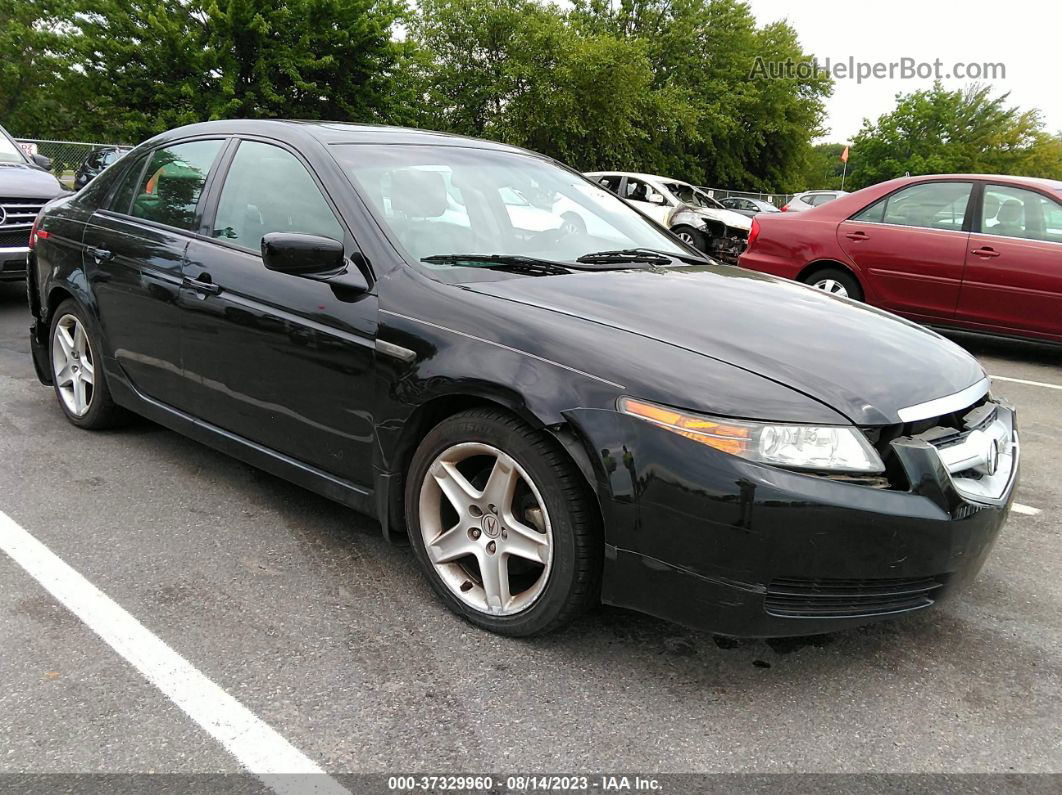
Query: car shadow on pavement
[{"x": 1020, "y": 351}]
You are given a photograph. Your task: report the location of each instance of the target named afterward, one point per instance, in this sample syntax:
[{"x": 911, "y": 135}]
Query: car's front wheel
[
  {"x": 502, "y": 523},
  {"x": 77, "y": 370}
]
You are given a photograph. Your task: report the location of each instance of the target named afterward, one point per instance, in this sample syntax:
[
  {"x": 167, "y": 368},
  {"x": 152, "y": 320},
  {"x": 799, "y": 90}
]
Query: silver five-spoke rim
[
  {"x": 73, "y": 365},
  {"x": 486, "y": 529},
  {"x": 832, "y": 286}
]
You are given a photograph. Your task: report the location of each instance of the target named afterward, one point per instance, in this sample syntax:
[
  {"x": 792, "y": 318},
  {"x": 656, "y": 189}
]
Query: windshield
[
  {"x": 444, "y": 200},
  {"x": 9, "y": 151},
  {"x": 687, "y": 194}
]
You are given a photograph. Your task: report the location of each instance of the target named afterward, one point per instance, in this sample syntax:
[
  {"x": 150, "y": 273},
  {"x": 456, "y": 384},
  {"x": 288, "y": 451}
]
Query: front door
[
  {"x": 134, "y": 253},
  {"x": 910, "y": 247},
  {"x": 643, "y": 196},
  {"x": 278, "y": 359},
  {"x": 1013, "y": 279}
]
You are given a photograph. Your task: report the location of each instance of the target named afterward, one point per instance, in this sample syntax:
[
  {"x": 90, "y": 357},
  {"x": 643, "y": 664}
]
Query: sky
[{"x": 1022, "y": 35}]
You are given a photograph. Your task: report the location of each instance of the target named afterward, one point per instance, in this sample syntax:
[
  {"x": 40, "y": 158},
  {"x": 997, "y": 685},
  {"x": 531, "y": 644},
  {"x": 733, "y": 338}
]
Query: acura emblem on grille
[{"x": 992, "y": 457}]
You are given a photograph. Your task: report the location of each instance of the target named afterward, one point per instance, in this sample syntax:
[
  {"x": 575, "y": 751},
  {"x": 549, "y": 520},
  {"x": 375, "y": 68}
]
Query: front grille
[
  {"x": 19, "y": 212},
  {"x": 828, "y": 598},
  {"x": 14, "y": 238}
]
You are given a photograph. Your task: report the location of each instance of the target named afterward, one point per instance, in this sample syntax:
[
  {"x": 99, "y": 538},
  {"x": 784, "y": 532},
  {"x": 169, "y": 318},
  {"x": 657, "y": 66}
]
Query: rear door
[
  {"x": 134, "y": 253},
  {"x": 910, "y": 247},
  {"x": 278, "y": 359},
  {"x": 1013, "y": 279}
]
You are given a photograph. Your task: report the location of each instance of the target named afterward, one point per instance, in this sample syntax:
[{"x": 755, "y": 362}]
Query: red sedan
[{"x": 976, "y": 252}]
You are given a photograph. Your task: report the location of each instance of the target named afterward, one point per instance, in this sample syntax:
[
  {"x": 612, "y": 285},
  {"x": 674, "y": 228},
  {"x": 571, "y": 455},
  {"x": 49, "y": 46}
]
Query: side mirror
[
  {"x": 302, "y": 255},
  {"x": 656, "y": 198},
  {"x": 42, "y": 161},
  {"x": 314, "y": 257}
]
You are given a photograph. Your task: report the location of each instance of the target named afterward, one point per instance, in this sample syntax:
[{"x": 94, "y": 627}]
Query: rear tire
[
  {"x": 503, "y": 524},
  {"x": 836, "y": 282},
  {"x": 77, "y": 369}
]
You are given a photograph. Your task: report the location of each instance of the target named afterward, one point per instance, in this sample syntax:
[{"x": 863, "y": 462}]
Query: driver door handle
[
  {"x": 202, "y": 284},
  {"x": 985, "y": 251},
  {"x": 858, "y": 235}
]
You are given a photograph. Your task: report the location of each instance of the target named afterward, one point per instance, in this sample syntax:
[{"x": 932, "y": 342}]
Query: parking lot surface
[{"x": 299, "y": 610}]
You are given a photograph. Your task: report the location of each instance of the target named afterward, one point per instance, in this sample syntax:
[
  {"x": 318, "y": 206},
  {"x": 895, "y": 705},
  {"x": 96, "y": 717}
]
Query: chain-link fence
[
  {"x": 66, "y": 156},
  {"x": 777, "y": 199}
]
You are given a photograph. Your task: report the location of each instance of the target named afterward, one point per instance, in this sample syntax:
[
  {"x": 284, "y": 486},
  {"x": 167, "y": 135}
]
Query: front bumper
[
  {"x": 13, "y": 263},
  {"x": 718, "y": 543}
]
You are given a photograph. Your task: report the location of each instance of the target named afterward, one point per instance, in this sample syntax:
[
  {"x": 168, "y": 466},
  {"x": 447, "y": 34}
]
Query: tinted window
[
  {"x": 610, "y": 182},
  {"x": 820, "y": 198},
  {"x": 169, "y": 189},
  {"x": 929, "y": 205},
  {"x": 130, "y": 181},
  {"x": 1014, "y": 212},
  {"x": 268, "y": 190},
  {"x": 874, "y": 213}
]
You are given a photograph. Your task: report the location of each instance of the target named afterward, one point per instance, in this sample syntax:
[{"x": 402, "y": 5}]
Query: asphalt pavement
[{"x": 296, "y": 608}]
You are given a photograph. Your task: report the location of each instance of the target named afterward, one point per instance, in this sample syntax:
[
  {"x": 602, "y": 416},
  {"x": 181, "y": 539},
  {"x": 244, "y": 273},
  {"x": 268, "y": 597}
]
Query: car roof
[
  {"x": 639, "y": 175},
  {"x": 329, "y": 132}
]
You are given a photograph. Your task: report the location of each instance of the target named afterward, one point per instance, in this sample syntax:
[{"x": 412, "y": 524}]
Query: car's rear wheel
[
  {"x": 836, "y": 282},
  {"x": 502, "y": 524},
  {"x": 77, "y": 371}
]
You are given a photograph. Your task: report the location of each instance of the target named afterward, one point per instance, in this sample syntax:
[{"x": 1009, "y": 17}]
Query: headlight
[{"x": 816, "y": 447}]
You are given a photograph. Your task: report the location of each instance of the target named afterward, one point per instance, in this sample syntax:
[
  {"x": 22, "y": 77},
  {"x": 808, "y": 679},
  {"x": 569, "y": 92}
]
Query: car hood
[
  {"x": 18, "y": 180},
  {"x": 862, "y": 362},
  {"x": 728, "y": 217}
]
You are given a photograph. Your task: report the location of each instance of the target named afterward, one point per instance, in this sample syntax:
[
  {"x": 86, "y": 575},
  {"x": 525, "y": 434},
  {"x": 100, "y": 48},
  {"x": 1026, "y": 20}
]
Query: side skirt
[{"x": 342, "y": 491}]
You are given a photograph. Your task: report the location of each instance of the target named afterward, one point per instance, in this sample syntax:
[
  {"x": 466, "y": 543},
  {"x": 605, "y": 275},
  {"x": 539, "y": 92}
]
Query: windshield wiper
[
  {"x": 647, "y": 255},
  {"x": 510, "y": 262}
]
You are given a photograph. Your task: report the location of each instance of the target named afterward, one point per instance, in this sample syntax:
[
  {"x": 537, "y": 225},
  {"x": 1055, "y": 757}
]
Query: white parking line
[
  {"x": 256, "y": 746},
  {"x": 1028, "y": 510},
  {"x": 1024, "y": 381}
]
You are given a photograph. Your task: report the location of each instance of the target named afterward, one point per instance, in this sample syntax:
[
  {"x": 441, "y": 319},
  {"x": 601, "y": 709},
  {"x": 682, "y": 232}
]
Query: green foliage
[
  {"x": 825, "y": 168},
  {"x": 967, "y": 131},
  {"x": 36, "y": 60}
]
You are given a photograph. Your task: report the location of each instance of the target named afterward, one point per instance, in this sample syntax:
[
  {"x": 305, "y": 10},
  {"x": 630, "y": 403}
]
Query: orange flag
[{"x": 844, "y": 155}]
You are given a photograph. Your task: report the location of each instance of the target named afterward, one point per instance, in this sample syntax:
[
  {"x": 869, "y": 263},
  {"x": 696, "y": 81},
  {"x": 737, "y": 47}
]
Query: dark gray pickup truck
[{"x": 25, "y": 186}]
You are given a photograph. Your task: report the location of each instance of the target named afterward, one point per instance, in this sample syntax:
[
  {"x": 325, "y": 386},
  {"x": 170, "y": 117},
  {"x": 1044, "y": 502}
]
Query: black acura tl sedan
[{"x": 556, "y": 412}]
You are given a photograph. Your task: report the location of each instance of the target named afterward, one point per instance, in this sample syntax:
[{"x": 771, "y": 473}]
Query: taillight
[
  {"x": 785, "y": 207},
  {"x": 37, "y": 234},
  {"x": 754, "y": 232}
]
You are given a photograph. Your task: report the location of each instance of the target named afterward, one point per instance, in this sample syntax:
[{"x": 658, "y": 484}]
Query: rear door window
[
  {"x": 927, "y": 205},
  {"x": 1016, "y": 212},
  {"x": 170, "y": 187}
]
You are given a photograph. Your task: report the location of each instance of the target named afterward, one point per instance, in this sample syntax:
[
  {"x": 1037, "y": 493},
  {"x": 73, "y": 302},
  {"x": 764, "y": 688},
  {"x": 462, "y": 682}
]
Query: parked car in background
[
  {"x": 748, "y": 207},
  {"x": 553, "y": 418},
  {"x": 976, "y": 252},
  {"x": 95, "y": 162},
  {"x": 694, "y": 216},
  {"x": 25, "y": 186},
  {"x": 811, "y": 198}
]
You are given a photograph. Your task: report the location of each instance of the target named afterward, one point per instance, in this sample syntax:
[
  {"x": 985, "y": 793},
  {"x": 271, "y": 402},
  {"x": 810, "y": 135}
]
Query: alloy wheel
[
  {"x": 831, "y": 286},
  {"x": 486, "y": 529},
  {"x": 73, "y": 365},
  {"x": 686, "y": 238}
]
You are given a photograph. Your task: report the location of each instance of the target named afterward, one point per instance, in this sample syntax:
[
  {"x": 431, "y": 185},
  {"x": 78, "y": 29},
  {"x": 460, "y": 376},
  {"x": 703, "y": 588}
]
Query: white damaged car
[{"x": 689, "y": 212}]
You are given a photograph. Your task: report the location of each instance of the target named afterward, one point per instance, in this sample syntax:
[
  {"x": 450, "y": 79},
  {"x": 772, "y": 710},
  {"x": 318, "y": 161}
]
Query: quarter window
[
  {"x": 267, "y": 190},
  {"x": 1015, "y": 212},
  {"x": 169, "y": 189}
]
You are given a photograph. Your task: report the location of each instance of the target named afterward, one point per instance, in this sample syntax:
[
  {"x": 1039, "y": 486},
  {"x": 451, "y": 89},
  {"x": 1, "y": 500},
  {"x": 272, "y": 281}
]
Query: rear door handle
[
  {"x": 203, "y": 284},
  {"x": 857, "y": 235},
  {"x": 101, "y": 255},
  {"x": 985, "y": 251}
]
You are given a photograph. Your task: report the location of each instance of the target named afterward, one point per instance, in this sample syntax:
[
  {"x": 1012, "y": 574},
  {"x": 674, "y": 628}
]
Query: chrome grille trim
[{"x": 947, "y": 404}]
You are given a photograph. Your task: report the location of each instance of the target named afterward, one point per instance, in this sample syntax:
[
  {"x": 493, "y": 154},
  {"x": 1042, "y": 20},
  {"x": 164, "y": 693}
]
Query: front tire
[
  {"x": 77, "y": 370},
  {"x": 503, "y": 524},
  {"x": 691, "y": 237}
]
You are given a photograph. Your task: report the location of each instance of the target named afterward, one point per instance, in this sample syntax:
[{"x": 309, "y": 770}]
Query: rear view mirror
[{"x": 302, "y": 255}]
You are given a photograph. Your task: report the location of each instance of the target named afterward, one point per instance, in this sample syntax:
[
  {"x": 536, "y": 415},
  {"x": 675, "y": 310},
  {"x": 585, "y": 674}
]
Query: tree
[
  {"x": 751, "y": 131},
  {"x": 35, "y": 43},
  {"x": 518, "y": 72},
  {"x": 936, "y": 131},
  {"x": 824, "y": 168},
  {"x": 148, "y": 65}
]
